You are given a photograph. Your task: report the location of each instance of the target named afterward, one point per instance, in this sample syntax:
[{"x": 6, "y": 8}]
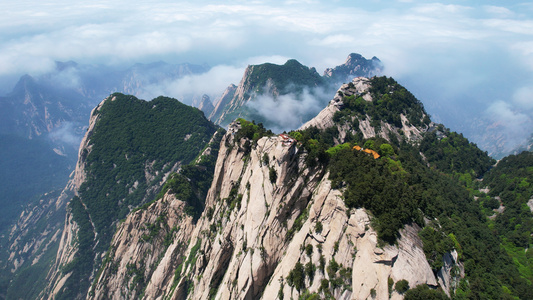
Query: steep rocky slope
[
  {"x": 254, "y": 232},
  {"x": 360, "y": 203},
  {"x": 272, "y": 227},
  {"x": 128, "y": 151}
]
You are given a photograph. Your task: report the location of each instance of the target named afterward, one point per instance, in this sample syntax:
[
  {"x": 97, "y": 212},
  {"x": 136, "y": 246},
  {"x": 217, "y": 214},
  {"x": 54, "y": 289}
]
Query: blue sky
[{"x": 464, "y": 59}]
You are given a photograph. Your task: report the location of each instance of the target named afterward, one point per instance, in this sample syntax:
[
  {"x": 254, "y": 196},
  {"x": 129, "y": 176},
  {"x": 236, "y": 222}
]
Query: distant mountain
[
  {"x": 205, "y": 105},
  {"x": 40, "y": 127},
  {"x": 355, "y": 66},
  {"x": 267, "y": 80},
  {"x": 527, "y": 146},
  {"x": 285, "y": 96},
  {"x": 35, "y": 108}
]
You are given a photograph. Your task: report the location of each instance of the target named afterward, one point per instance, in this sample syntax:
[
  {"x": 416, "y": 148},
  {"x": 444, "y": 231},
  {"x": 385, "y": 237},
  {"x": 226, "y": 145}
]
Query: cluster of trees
[
  {"x": 251, "y": 131},
  {"x": 455, "y": 154},
  {"x": 316, "y": 142}
]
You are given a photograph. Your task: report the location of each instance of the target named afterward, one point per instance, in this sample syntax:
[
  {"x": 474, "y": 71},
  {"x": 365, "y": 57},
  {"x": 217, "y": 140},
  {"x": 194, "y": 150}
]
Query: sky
[{"x": 469, "y": 62}]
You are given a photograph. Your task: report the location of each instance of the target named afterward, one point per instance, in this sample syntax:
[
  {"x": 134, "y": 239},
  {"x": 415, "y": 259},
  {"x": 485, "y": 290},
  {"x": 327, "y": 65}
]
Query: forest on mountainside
[
  {"x": 403, "y": 187},
  {"x": 510, "y": 185},
  {"x": 133, "y": 144}
]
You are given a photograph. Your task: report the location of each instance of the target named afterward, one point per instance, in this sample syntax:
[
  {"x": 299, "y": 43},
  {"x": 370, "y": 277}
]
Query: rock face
[
  {"x": 221, "y": 102},
  {"x": 137, "y": 252},
  {"x": 451, "y": 272}
]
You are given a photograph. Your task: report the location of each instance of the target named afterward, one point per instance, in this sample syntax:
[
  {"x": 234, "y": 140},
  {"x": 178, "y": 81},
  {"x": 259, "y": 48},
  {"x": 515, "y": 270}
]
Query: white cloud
[
  {"x": 211, "y": 83},
  {"x": 523, "y": 98},
  {"x": 499, "y": 11},
  {"x": 445, "y": 51},
  {"x": 290, "y": 111},
  {"x": 511, "y": 123}
]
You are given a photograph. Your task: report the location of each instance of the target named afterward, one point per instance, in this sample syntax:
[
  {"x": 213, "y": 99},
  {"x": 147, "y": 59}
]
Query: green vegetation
[
  {"x": 436, "y": 244},
  {"x": 289, "y": 77},
  {"x": 133, "y": 144},
  {"x": 298, "y": 223},
  {"x": 192, "y": 182},
  {"x": 306, "y": 295},
  {"x": 402, "y": 198},
  {"x": 454, "y": 154},
  {"x": 318, "y": 227},
  {"x": 512, "y": 180},
  {"x": 133, "y": 136},
  {"x": 309, "y": 250},
  {"x": 272, "y": 175},
  {"x": 371, "y": 184},
  {"x": 389, "y": 100},
  {"x": 423, "y": 292},
  {"x": 252, "y": 132},
  {"x": 401, "y": 286},
  {"x": 398, "y": 188},
  {"x": 316, "y": 143},
  {"x": 296, "y": 277}
]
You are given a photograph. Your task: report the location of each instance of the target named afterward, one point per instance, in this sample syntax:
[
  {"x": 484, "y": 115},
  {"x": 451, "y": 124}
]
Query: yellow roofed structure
[
  {"x": 374, "y": 153},
  {"x": 369, "y": 151}
]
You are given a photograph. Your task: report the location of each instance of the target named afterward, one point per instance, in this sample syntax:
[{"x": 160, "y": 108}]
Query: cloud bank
[
  {"x": 290, "y": 111},
  {"x": 462, "y": 59}
]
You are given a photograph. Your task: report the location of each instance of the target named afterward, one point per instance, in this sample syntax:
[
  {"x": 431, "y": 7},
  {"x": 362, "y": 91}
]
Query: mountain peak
[{"x": 355, "y": 66}]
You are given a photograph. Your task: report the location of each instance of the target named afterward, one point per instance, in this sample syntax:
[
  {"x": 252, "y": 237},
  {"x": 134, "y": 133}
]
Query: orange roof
[
  {"x": 369, "y": 151},
  {"x": 374, "y": 153}
]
